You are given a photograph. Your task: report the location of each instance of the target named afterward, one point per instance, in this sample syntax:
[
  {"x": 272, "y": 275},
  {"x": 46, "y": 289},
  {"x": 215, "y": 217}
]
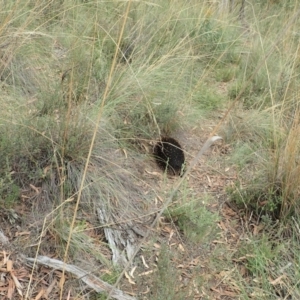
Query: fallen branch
[{"x": 91, "y": 280}]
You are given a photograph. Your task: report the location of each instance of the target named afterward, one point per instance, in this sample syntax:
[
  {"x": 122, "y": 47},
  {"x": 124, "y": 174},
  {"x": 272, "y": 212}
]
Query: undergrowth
[
  {"x": 175, "y": 66},
  {"x": 195, "y": 221}
]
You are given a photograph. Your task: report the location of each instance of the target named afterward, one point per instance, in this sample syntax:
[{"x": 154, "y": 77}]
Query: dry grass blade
[
  {"x": 94, "y": 135},
  {"x": 88, "y": 87}
]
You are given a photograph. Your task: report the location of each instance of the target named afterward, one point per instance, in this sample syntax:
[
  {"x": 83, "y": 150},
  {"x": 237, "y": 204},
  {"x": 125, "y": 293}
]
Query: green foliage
[
  {"x": 261, "y": 257},
  {"x": 246, "y": 96},
  {"x": 56, "y": 58},
  {"x": 209, "y": 38},
  {"x": 243, "y": 154},
  {"x": 252, "y": 131},
  {"x": 139, "y": 115},
  {"x": 225, "y": 74},
  {"x": 165, "y": 285},
  {"x": 194, "y": 219},
  {"x": 258, "y": 198},
  {"x": 9, "y": 190},
  {"x": 266, "y": 156},
  {"x": 264, "y": 254},
  {"x": 207, "y": 99},
  {"x": 111, "y": 276}
]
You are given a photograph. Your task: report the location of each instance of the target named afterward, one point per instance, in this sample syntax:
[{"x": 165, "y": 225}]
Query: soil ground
[
  {"x": 211, "y": 175},
  {"x": 192, "y": 262}
]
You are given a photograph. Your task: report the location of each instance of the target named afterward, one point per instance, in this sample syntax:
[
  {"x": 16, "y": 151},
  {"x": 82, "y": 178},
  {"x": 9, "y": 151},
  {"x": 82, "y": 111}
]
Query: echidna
[{"x": 169, "y": 155}]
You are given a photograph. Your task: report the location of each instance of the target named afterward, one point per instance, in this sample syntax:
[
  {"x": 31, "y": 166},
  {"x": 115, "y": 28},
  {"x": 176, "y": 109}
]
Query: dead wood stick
[{"x": 91, "y": 280}]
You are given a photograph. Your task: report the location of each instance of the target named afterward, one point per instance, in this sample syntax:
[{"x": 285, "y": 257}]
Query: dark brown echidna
[{"x": 169, "y": 155}]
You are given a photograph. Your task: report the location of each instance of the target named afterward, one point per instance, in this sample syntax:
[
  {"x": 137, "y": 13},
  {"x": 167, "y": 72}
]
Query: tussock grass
[
  {"x": 54, "y": 70},
  {"x": 265, "y": 150},
  {"x": 270, "y": 89}
]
